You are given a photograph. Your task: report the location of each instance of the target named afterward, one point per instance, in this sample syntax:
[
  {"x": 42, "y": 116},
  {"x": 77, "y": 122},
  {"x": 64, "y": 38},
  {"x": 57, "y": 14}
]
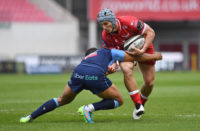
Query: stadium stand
[
  {"x": 32, "y": 29},
  {"x": 22, "y": 11}
]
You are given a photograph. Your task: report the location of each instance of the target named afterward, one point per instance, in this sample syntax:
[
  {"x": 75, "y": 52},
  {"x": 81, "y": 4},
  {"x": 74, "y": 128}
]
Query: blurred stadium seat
[
  {"x": 39, "y": 28},
  {"x": 22, "y": 11}
]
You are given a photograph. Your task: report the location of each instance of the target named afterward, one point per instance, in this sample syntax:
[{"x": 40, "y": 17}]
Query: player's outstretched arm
[
  {"x": 127, "y": 56},
  {"x": 143, "y": 57}
]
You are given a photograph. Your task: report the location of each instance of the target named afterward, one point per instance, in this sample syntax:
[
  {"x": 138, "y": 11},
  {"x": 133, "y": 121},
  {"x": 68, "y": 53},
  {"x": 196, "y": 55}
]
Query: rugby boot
[
  {"x": 138, "y": 111},
  {"x": 87, "y": 116}
]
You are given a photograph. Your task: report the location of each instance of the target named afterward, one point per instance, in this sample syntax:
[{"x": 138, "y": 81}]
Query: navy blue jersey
[
  {"x": 100, "y": 59},
  {"x": 90, "y": 74}
]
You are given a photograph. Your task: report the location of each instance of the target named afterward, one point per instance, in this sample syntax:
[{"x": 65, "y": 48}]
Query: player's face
[{"x": 107, "y": 26}]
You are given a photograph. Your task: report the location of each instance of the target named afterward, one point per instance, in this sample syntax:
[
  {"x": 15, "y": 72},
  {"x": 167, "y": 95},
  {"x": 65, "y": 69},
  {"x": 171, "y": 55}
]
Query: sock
[
  {"x": 135, "y": 96},
  {"x": 90, "y": 108},
  {"x": 106, "y": 104},
  {"x": 46, "y": 107},
  {"x": 143, "y": 99}
]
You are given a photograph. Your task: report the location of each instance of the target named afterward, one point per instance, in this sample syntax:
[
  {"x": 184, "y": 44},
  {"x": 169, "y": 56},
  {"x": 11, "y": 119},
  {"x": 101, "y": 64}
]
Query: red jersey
[{"x": 128, "y": 27}]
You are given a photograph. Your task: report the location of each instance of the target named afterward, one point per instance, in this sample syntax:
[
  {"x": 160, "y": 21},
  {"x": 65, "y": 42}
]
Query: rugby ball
[{"x": 135, "y": 41}]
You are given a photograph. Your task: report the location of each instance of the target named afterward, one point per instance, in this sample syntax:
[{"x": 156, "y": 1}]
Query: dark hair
[{"x": 90, "y": 51}]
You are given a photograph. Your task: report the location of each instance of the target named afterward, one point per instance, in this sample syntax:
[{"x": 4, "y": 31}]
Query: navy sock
[
  {"x": 106, "y": 104},
  {"x": 46, "y": 107}
]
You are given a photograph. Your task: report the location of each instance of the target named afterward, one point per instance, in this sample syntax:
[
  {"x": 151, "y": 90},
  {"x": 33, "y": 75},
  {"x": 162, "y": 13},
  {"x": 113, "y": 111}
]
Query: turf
[{"x": 173, "y": 104}]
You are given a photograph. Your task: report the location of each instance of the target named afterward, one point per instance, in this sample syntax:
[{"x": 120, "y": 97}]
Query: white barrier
[{"x": 170, "y": 59}]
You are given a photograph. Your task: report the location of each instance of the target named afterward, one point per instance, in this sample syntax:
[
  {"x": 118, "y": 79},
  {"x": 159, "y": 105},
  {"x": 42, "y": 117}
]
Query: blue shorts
[{"x": 89, "y": 78}]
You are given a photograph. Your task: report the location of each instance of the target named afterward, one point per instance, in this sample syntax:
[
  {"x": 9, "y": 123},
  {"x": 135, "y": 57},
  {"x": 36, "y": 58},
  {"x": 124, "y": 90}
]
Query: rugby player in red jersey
[{"x": 116, "y": 30}]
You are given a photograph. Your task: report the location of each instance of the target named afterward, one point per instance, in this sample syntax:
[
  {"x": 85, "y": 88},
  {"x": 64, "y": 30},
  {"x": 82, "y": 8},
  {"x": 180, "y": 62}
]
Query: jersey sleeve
[
  {"x": 117, "y": 54},
  {"x": 137, "y": 26}
]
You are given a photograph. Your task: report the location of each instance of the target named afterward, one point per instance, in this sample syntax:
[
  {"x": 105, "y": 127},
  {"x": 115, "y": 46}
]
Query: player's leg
[
  {"x": 67, "y": 96},
  {"x": 104, "y": 88},
  {"x": 112, "y": 98},
  {"x": 148, "y": 71},
  {"x": 132, "y": 87}
]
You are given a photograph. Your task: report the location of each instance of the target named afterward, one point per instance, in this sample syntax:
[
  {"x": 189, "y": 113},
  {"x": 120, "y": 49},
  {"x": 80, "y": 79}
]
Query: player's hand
[
  {"x": 112, "y": 68},
  {"x": 158, "y": 56},
  {"x": 135, "y": 52}
]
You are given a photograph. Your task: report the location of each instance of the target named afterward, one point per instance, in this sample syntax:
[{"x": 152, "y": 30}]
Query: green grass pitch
[{"x": 174, "y": 104}]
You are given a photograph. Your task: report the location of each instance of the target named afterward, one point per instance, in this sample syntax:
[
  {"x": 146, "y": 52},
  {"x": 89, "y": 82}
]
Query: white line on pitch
[{"x": 102, "y": 114}]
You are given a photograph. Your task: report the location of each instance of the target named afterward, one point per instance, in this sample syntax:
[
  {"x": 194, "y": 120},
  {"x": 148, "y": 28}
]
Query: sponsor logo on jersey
[
  {"x": 86, "y": 77},
  {"x": 78, "y": 76}
]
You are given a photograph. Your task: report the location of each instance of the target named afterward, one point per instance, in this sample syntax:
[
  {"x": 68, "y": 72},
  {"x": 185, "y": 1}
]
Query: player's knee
[
  {"x": 127, "y": 72},
  {"x": 127, "y": 69},
  {"x": 120, "y": 101}
]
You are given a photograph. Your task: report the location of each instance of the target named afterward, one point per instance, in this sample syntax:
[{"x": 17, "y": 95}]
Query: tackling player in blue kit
[{"x": 90, "y": 74}]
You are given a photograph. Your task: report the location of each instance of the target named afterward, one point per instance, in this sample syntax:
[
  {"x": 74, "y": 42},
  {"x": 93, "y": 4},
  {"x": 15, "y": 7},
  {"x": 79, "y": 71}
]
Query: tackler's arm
[{"x": 143, "y": 57}]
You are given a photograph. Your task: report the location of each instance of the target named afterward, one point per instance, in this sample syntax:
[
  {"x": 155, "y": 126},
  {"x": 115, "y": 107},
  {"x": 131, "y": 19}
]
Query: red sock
[
  {"x": 144, "y": 100},
  {"x": 136, "y": 97}
]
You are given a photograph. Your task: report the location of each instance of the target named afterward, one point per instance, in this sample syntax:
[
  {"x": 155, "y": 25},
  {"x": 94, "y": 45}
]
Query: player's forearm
[
  {"x": 143, "y": 57},
  {"x": 148, "y": 40},
  {"x": 123, "y": 56},
  {"x": 150, "y": 35}
]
